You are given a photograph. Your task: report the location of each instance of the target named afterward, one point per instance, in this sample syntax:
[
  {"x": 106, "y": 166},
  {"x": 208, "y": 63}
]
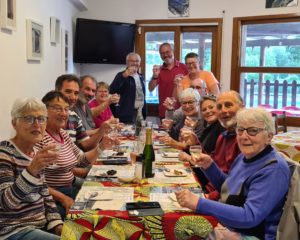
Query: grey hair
[
  {"x": 132, "y": 54},
  {"x": 256, "y": 115},
  {"x": 22, "y": 105},
  {"x": 238, "y": 97},
  {"x": 190, "y": 92}
]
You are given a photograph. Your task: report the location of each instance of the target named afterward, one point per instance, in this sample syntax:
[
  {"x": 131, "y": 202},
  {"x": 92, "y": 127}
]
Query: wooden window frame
[{"x": 237, "y": 69}]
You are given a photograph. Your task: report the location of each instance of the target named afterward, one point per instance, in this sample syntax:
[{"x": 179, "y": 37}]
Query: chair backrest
[
  {"x": 289, "y": 225},
  {"x": 280, "y": 122}
]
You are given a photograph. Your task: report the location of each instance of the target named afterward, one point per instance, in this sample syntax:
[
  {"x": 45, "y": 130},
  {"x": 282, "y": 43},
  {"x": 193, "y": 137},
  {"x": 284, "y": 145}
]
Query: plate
[
  {"x": 175, "y": 173},
  {"x": 170, "y": 154}
]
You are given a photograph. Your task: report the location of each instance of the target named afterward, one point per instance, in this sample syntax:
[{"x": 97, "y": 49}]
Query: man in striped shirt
[{"x": 68, "y": 85}]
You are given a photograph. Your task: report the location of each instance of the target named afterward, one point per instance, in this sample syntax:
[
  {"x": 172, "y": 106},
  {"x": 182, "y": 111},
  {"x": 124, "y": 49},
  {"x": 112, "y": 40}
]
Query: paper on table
[
  {"x": 108, "y": 205},
  {"x": 167, "y": 201}
]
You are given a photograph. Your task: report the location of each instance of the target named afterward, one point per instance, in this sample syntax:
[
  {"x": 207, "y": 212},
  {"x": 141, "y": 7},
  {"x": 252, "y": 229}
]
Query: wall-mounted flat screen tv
[{"x": 99, "y": 41}]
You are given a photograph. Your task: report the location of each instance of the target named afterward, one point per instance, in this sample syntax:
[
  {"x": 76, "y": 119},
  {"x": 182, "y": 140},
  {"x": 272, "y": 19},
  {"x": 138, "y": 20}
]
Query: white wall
[
  {"x": 20, "y": 78},
  {"x": 131, "y": 10}
]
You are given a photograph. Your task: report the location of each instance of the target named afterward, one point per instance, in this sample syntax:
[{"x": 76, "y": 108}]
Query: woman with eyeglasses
[
  {"x": 27, "y": 210},
  {"x": 60, "y": 177},
  {"x": 191, "y": 118},
  {"x": 253, "y": 192},
  {"x": 194, "y": 72}
]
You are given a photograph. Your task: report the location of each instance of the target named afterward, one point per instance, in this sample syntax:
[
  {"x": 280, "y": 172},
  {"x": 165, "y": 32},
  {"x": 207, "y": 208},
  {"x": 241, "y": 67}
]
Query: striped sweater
[
  {"x": 70, "y": 156},
  {"x": 25, "y": 200}
]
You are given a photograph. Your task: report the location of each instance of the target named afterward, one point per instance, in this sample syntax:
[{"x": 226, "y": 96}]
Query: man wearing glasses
[{"x": 193, "y": 66}]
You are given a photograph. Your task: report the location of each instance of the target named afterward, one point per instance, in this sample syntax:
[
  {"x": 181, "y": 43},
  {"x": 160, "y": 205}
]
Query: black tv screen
[{"x": 99, "y": 41}]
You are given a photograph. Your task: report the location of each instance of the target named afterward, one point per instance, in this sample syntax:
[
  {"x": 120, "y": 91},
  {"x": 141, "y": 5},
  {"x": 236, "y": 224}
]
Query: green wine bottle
[{"x": 149, "y": 155}]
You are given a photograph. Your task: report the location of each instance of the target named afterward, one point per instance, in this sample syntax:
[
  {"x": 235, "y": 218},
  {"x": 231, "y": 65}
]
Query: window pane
[
  {"x": 271, "y": 45},
  {"x": 153, "y": 41},
  {"x": 200, "y": 43},
  {"x": 275, "y": 89}
]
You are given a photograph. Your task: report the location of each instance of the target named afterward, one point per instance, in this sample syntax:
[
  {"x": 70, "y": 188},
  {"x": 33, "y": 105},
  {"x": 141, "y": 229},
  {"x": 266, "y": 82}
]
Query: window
[
  {"x": 196, "y": 35},
  {"x": 265, "y": 65}
]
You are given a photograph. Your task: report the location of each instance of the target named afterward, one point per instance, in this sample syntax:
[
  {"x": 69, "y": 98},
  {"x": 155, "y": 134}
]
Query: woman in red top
[{"x": 100, "y": 105}]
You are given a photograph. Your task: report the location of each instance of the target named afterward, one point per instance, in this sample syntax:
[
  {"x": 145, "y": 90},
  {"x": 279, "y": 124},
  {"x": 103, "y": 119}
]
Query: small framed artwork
[
  {"x": 281, "y": 3},
  {"x": 54, "y": 30},
  {"x": 65, "y": 49},
  {"x": 34, "y": 40},
  {"x": 178, "y": 8},
  {"x": 8, "y": 14}
]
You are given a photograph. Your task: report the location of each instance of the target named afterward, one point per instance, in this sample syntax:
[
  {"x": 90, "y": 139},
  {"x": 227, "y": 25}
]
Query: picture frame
[
  {"x": 281, "y": 3},
  {"x": 65, "y": 49},
  {"x": 8, "y": 18},
  {"x": 178, "y": 8},
  {"x": 54, "y": 30},
  {"x": 34, "y": 40}
]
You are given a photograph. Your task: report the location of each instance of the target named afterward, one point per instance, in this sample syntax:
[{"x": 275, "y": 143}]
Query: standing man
[
  {"x": 87, "y": 90},
  {"x": 131, "y": 87},
  {"x": 165, "y": 75}
]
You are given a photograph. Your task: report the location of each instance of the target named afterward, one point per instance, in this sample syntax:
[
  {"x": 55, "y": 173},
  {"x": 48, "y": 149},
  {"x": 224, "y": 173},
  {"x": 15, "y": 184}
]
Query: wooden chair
[{"x": 280, "y": 122}]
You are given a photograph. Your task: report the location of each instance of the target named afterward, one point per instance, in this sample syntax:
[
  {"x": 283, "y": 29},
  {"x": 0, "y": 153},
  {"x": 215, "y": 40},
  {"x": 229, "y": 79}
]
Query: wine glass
[
  {"x": 55, "y": 150},
  {"x": 196, "y": 151},
  {"x": 117, "y": 104}
]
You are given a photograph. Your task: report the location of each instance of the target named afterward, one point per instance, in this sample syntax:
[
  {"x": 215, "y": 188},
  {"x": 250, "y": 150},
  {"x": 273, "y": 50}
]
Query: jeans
[{"x": 33, "y": 234}]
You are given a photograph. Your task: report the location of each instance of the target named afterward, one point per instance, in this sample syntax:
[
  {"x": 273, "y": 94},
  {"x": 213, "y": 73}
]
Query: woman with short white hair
[
  {"x": 26, "y": 207},
  {"x": 253, "y": 192},
  {"x": 189, "y": 100}
]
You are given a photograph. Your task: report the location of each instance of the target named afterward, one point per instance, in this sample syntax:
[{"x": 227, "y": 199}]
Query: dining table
[
  {"x": 288, "y": 143},
  {"x": 99, "y": 211}
]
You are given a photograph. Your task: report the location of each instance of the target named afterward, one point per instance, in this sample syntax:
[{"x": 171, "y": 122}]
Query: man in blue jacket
[{"x": 131, "y": 87}]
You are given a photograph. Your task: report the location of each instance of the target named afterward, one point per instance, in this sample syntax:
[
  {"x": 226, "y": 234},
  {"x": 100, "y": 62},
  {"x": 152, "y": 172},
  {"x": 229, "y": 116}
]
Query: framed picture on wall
[
  {"x": 8, "y": 14},
  {"x": 281, "y": 3},
  {"x": 34, "y": 40},
  {"x": 54, "y": 30},
  {"x": 178, "y": 8},
  {"x": 65, "y": 49}
]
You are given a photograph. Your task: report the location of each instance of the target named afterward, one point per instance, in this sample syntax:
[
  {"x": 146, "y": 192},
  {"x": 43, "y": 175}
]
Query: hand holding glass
[
  {"x": 56, "y": 149},
  {"x": 195, "y": 151}
]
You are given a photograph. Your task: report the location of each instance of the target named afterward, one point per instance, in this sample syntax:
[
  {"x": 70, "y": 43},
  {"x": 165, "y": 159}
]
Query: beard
[{"x": 228, "y": 124}]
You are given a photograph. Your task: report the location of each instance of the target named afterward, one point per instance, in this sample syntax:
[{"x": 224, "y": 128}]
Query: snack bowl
[{"x": 127, "y": 179}]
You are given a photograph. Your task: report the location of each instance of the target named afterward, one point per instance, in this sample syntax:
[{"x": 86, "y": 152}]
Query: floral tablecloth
[
  {"x": 289, "y": 144},
  {"x": 108, "y": 224}
]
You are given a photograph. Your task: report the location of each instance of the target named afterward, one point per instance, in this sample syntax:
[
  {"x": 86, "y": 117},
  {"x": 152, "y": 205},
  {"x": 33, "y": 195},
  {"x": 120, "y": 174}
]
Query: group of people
[{"x": 42, "y": 167}]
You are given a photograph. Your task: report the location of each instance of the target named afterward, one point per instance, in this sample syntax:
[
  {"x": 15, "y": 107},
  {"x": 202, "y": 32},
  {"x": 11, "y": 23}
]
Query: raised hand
[
  {"x": 42, "y": 159},
  {"x": 169, "y": 103},
  {"x": 156, "y": 71}
]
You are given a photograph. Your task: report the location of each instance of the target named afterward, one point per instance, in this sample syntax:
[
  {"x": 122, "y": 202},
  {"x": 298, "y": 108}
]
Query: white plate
[
  {"x": 170, "y": 154},
  {"x": 175, "y": 173}
]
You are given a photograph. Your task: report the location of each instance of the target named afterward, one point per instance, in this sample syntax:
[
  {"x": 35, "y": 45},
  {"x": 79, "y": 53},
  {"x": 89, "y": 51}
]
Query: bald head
[{"x": 200, "y": 86}]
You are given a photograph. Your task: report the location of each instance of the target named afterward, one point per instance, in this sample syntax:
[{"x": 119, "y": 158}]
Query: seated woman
[
  {"x": 253, "y": 192},
  {"x": 27, "y": 210},
  {"x": 100, "y": 105},
  {"x": 189, "y": 100},
  {"x": 60, "y": 177}
]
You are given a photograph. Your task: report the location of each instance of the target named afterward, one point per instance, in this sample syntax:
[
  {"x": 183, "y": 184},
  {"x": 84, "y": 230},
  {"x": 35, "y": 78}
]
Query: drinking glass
[
  {"x": 55, "y": 150},
  {"x": 196, "y": 151}
]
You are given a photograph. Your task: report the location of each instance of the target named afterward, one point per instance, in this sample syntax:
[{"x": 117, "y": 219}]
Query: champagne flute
[
  {"x": 117, "y": 104},
  {"x": 196, "y": 151}
]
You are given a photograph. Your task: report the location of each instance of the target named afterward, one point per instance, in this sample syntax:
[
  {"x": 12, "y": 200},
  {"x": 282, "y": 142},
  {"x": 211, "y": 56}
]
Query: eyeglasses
[
  {"x": 191, "y": 63},
  {"x": 187, "y": 103},
  {"x": 59, "y": 109},
  {"x": 196, "y": 87},
  {"x": 251, "y": 131},
  {"x": 32, "y": 119}
]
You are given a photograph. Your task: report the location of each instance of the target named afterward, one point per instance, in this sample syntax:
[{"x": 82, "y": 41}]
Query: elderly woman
[
  {"x": 253, "y": 192},
  {"x": 100, "y": 105},
  {"x": 60, "y": 177},
  {"x": 26, "y": 207},
  {"x": 189, "y": 100}
]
